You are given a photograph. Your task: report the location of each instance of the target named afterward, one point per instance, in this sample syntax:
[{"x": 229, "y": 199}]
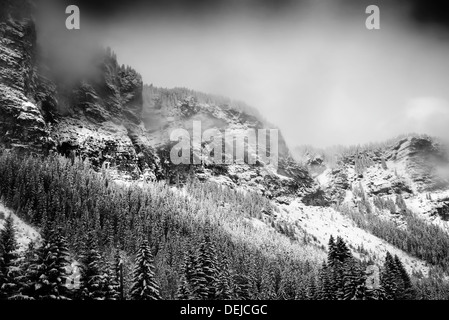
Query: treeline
[
  {"x": 160, "y": 98},
  {"x": 342, "y": 277},
  {"x": 150, "y": 241},
  {"x": 420, "y": 239},
  {"x": 106, "y": 220},
  {"x": 43, "y": 273}
]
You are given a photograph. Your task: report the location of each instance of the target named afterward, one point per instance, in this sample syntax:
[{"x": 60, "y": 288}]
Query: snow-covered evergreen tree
[
  {"x": 144, "y": 285},
  {"x": 47, "y": 274},
  {"x": 206, "y": 268},
  {"x": 92, "y": 273},
  {"x": 8, "y": 260}
]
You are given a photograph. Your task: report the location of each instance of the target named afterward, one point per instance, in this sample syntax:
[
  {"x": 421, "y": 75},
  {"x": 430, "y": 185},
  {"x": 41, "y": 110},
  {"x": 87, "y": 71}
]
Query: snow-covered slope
[
  {"x": 319, "y": 223},
  {"x": 25, "y": 234},
  {"x": 414, "y": 168}
]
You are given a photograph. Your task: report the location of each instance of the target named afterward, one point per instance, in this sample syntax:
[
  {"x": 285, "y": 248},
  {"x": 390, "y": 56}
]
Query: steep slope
[
  {"x": 413, "y": 169},
  {"x": 103, "y": 115},
  {"x": 317, "y": 224},
  {"x": 168, "y": 109},
  {"x": 25, "y": 234},
  {"x": 22, "y": 123}
]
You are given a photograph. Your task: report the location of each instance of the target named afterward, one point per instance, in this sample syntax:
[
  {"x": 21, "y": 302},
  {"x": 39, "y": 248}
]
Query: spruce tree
[
  {"x": 326, "y": 286},
  {"x": 8, "y": 260},
  {"x": 354, "y": 281},
  {"x": 405, "y": 288},
  {"x": 47, "y": 274},
  {"x": 224, "y": 287},
  {"x": 267, "y": 286},
  {"x": 342, "y": 251},
  {"x": 144, "y": 285},
  {"x": 312, "y": 292},
  {"x": 389, "y": 278},
  {"x": 109, "y": 283},
  {"x": 186, "y": 288},
  {"x": 118, "y": 274},
  {"x": 332, "y": 251},
  {"x": 92, "y": 273},
  {"x": 206, "y": 269},
  {"x": 242, "y": 287}
]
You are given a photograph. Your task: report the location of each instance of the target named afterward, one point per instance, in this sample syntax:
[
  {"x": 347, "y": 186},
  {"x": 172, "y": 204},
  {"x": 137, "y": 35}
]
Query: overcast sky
[{"x": 310, "y": 67}]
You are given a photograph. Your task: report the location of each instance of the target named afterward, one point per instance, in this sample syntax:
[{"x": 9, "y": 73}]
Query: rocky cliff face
[
  {"x": 168, "y": 109},
  {"x": 21, "y": 120},
  {"x": 413, "y": 169},
  {"x": 425, "y": 160},
  {"x": 107, "y": 117}
]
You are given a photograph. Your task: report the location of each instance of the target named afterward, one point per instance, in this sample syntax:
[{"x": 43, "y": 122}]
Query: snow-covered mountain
[
  {"x": 374, "y": 197},
  {"x": 110, "y": 118}
]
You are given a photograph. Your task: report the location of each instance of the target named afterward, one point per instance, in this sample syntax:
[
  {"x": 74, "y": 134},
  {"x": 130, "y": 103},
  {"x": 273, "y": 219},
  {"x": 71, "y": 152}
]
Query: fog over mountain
[
  {"x": 310, "y": 67},
  {"x": 106, "y": 195}
]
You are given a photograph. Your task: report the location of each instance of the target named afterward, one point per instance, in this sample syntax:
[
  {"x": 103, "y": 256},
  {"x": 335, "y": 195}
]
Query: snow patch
[{"x": 25, "y": 234}]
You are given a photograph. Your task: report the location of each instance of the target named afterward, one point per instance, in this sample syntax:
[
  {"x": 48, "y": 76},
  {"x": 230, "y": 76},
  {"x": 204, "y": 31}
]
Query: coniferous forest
[{"x": 150, "y": 241}]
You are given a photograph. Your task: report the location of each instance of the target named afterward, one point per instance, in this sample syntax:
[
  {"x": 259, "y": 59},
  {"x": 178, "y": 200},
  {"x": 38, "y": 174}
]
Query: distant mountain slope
[
  {"x": 407, "y": 173},
  {"x": 106, "y": 115}
]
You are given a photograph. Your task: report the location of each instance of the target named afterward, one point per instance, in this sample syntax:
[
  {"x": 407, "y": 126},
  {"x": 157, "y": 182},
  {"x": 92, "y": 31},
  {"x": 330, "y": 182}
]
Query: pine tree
[
  {"x": 206, "y": 269},
  {"x": 109, "y": 284},
  {"x": 405, "y": 289},
  {"x": 8, "y": 260},
  {"x": 267, "y": 287},
  {"x": 326, "y": 286},
  {"x": 242, "y": 287},
  {"x": 332, "y": 251},
  {"x": 224, "y": 287},
  {"x": 47, "y": 274},
  {"x": 388, "y": 278},
  {"x": 187, "y": 281},
  {"x": 354, "y": 280},
  {"x": 184, "y": 290},
  {"x": 342, "y": 251},
  {"x": 92, "y": 273},
  {"x": 144, "y": 285},
  {"x": 312, "y": 292},
  {"x": 334, "y": 277},
  {"x": 118, "y": 274}
]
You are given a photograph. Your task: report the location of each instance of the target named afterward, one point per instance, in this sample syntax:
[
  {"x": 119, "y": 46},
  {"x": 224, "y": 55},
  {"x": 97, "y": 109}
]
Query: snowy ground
[
  {"x": 320, "y": 223},
  {"x": 24, "y": 233}
]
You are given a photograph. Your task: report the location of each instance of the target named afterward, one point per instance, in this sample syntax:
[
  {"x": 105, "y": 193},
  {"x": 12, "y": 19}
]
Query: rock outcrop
[
  {"x": 22, "y": 123},
  {"x": 425, "y": 161},
  {"x": 105, "y": 115}
]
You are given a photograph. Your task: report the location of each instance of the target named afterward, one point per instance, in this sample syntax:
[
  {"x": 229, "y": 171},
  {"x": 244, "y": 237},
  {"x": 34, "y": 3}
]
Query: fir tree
[
  {"x": 332, "y": 251},
  {"x": 342, "y": 251},
  {"x": 144, "y": 285},
  {"x": 92, "y": 282},
  {"x": 118, "y": 274},
  {"x": 47, "y": 275},
  {"x": 224, "y": 286},
  {"x": 186, "y": 287},
  {"x": 312, "y": 292},
  {"x": 242, "y": 287},
  {"x": 267, "y": 287},
  {"x": 8, "y": 260},
  {"x": 388, "y": 278},
  {"x": 354, "y": 281},
  {"x": 327, "y": 288},
  {"x": 405, "y": 290},
  {"x": 206, "y": 270},
  {"x": 184, "y": 290}
]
